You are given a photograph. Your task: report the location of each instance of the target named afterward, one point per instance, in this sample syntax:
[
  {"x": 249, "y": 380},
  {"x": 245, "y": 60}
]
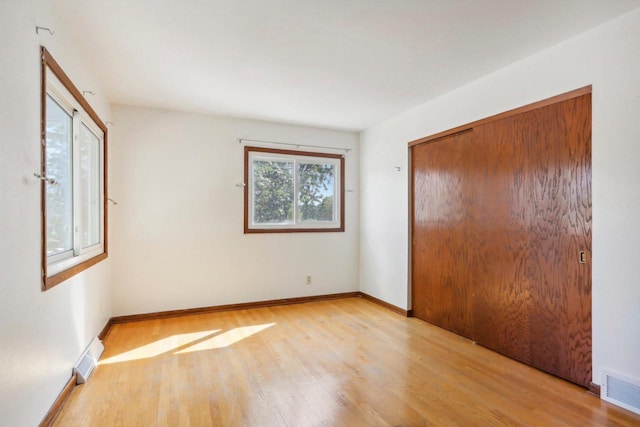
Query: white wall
[
  {"x": 42, "y": 334},
  {"x": 607, "y": 57},
  {"x": 177, "y": 231}
]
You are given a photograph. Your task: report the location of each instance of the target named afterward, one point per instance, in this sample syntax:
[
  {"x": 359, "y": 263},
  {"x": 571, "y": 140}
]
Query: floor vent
[
  {"x": 620, "y": 390},
  {"x": 88, "y": 360}
]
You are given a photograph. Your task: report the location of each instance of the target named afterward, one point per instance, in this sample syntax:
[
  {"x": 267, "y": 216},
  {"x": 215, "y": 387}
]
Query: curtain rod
[{"x": 346, "y": 150}]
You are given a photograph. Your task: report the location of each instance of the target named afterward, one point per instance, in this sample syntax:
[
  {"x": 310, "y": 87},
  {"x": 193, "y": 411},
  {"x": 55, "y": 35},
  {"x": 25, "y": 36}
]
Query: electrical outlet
[{"x": 309, "y": 280}]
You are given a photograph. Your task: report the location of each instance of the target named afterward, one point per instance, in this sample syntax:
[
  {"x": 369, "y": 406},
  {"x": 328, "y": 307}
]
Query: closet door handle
[{"x": 583, "y": 257}]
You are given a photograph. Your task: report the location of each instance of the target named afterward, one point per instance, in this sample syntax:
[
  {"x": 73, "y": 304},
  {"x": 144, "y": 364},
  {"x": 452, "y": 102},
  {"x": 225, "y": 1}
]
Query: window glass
[
  {"x": 290, "y": 191},
  {"x": 89, "y": 186},
  {"x": 273, "y": 191},
  {"x": 59, "y": 196},
  {"x": 316, "y": 191}
]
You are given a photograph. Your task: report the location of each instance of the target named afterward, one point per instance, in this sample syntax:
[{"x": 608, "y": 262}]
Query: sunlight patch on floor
[
  {"x": 158, "y": 347},
  {"x": 188, "y": 343},
  {"x": 227, "y": 338}
]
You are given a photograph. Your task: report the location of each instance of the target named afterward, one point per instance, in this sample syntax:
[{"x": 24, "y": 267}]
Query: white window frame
[
  {"x": 253, "y": 154},
  {"x": 57, "y": 86}
]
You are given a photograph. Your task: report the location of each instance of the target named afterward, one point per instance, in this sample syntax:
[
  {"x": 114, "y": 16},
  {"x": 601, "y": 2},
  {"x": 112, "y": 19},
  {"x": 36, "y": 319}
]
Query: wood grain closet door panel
[
  {"x": 533, "y": 296},
  {"x": 502, "y": 304},
  {"x": 559, "y": 169},
  {"x": 441, "y": 292}
]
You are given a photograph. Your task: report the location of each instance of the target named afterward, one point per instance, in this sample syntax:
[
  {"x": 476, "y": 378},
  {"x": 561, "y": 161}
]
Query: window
[
  {"x": 293, "y": 191},
  {"x": 73, "y": 176}
]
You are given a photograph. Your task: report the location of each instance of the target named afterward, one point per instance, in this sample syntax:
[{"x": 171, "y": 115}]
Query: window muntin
[
  {"x": 289, "y": 191},
  {"x": 73, "y": 162}
]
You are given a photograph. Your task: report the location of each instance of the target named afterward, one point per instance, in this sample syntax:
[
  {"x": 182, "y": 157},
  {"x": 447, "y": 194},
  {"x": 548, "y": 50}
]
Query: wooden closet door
[
  {"x": 560, "y": 227},
  {"x": 500, "y": 244},
  {"x": 500, "y": 216},
  {"x": 533, "y": 295},
  {"x": 442, "y": 196}
]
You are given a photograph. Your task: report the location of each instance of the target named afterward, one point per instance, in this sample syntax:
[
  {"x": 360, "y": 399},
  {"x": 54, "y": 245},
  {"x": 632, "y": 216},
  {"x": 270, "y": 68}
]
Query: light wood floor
[{"x": 344, "y": 362}]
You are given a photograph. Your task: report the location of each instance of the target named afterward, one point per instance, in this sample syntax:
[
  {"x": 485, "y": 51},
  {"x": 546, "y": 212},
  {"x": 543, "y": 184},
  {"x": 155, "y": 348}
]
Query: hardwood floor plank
[{"x": 346, "y": 362}]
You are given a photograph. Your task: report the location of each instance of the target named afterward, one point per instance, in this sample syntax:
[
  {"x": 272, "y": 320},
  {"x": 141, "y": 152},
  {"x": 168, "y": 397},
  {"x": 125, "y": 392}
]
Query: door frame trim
[{"x": 529, "y": 107}]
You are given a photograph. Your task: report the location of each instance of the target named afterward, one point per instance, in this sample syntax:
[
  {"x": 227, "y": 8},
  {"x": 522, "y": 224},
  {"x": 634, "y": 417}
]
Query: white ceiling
[{"x": 343, "y": 64}]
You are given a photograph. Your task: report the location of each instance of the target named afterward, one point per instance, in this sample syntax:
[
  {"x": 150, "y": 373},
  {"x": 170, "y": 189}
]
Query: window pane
[
  {"x": 272, "y": 192},
  {"x": 316, "y": 191},
  {"x": 58, "y": 166},
  {"x": 89, "y": 187}
]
